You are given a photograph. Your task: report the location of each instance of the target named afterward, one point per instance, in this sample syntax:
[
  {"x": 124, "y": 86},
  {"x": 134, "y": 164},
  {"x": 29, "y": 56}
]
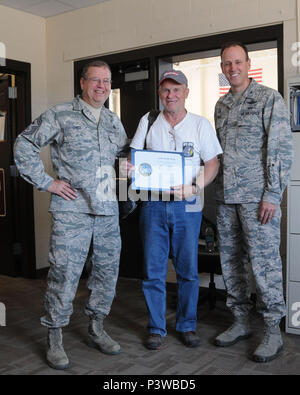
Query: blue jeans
[{"x": 166, "y": 225}]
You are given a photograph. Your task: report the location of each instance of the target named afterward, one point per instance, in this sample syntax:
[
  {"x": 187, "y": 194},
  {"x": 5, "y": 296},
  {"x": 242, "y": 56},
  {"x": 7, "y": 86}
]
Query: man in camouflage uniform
[
  {"x": 84, "y": 138},
  {"x": 252, "y": 125}
]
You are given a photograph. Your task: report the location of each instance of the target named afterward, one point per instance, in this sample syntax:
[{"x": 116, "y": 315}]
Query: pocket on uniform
[
  {"x": 114, "y": 140},
  {"x": 58, "y": 252},
  {"x": 221, "y": 134}
]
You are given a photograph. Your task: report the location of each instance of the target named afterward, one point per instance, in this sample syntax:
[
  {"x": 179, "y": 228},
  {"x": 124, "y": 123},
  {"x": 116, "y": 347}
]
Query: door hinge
[
  {"x": 12, "y": 92},
  {"x": 17, "y": 248},
  {"x": 14, "y": 171}
]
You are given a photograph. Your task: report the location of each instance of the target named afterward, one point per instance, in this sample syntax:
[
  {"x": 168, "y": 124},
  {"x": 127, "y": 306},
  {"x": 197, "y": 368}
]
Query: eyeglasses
[{"x": 106, "y": 81}]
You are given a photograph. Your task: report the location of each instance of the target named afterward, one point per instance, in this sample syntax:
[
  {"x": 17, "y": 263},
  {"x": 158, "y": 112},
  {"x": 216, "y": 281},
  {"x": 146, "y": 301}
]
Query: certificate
[{"x": 157, "y": 170}]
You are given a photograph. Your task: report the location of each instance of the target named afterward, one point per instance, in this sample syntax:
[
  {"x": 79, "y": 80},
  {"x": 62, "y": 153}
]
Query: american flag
[{"x": 224, "y": 85}]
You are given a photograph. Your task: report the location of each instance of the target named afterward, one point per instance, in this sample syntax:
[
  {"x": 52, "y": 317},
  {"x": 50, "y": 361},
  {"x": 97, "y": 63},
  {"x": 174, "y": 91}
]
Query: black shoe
[
  {"x": 190, "y": 339},
  {"x": 154, "y": 342}
]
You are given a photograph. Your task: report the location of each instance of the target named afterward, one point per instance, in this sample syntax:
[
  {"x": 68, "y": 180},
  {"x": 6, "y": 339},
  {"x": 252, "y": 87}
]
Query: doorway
[
  {"x": 206, "y": 85},
  {"x": 130, "y": 99},
  {"x": 16, "y": 199},
  {"x": 131, "y": 89}
]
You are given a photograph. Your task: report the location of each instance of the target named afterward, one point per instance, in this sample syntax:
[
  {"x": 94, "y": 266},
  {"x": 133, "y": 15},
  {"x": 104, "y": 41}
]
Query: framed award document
[{"x": 157, "y": 170}]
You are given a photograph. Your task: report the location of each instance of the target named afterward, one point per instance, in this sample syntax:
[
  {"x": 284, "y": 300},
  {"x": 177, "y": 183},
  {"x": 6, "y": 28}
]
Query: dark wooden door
[
  {"x": 17, "y": 239},
  {"x": 135, "y": 101},
  {"x": 7, "y": 261}
]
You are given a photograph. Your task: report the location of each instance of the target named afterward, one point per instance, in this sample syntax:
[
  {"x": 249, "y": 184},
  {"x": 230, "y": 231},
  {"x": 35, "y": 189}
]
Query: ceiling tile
[
  {"x": 80, "y": 3},
  {"x": 46, "y": 8},
  {"x": 49, "y": 8},
  {"x": 20, "y": 4}
]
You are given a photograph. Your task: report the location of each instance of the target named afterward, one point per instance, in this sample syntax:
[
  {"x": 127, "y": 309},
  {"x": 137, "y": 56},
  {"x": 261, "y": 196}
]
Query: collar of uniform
[
  {"x": 228, "y": 99},
  {"x": 76, "y": 104},
  {"x": 252, "y": 92},
  {"x": 105, "y": 117}
]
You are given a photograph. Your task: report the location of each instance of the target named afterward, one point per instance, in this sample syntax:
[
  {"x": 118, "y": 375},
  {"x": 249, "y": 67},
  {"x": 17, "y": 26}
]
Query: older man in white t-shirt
[{"x": 174, "y": 225}]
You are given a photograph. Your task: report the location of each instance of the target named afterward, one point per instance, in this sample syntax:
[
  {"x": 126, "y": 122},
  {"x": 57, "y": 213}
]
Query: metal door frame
[{"x": 214, "y": 41}]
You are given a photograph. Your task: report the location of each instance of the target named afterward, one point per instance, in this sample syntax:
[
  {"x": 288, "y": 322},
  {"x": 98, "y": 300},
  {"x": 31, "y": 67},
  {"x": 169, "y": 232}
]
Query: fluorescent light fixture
[{"x": 137, "y": 76}]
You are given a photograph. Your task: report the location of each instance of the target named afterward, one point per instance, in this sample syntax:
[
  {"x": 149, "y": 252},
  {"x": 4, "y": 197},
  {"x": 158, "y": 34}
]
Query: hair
[
  {"x": 94, "y": 63},
  {"x": 234, "y": 44}
]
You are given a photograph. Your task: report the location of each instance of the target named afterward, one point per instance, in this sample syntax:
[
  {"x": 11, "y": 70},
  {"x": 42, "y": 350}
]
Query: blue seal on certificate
[{"x": 145, "y": 169}]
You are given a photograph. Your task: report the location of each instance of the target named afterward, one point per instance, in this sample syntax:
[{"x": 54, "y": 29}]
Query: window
[{"x": 207, "y": 83}]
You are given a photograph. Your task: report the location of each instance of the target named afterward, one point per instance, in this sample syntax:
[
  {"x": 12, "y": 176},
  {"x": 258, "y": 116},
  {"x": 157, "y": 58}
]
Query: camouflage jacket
[
  {"x": 83, "y": 153},
  {"x": 256, "y": 138}
]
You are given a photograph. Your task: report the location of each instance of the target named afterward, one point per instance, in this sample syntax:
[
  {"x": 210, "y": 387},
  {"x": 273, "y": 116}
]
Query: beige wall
[
  {"x": 24, "y": 36},
  {"x": 120, "y": 25},
  {"x": 116, "y": 26}
]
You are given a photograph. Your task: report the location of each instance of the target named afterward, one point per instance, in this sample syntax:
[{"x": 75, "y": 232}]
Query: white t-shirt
[{"x": 194, "y": 136}]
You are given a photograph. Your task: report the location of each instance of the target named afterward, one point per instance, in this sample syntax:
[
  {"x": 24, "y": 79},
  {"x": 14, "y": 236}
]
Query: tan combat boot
[
  {"x": 239, "y": 330},
  {"x": 98, "y": 338},
  {"x": 270, "y": 346},
  {"x": 56, "y": 356}
]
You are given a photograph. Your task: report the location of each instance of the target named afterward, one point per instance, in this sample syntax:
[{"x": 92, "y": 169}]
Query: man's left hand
[
  {"x": 183, "y": 191},
  {"x": 267, "y": 212}
]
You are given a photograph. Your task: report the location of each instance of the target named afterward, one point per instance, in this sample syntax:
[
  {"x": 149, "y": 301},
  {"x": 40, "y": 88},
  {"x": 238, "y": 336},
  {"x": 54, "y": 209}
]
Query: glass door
[{"x": 207, "y": 84}]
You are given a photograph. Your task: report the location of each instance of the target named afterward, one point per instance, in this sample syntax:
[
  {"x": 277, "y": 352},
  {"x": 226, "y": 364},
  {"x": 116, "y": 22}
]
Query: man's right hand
[
  {"x": 63, "y": 189},
  {"x": 125, "y": 168}
]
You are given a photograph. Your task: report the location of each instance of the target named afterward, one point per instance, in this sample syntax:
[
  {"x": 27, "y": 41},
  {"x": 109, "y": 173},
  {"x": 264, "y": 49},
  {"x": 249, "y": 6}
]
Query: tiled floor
[{"x": 22, "y": 340}]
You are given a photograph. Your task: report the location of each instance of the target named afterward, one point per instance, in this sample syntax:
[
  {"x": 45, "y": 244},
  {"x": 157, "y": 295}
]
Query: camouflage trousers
[
  {"x": 245, "y": 246},
  {"x": 73, "y": 236}
]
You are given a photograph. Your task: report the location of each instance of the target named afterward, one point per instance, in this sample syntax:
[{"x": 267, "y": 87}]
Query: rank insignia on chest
[
  {"x": 188, "y": 149},
  {"x": 251, "y": 112}
]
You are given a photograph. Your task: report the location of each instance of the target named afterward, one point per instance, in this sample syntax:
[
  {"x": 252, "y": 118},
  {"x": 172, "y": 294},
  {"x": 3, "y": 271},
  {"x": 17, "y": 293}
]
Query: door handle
[
  {"x": 2, "y": 194},
  {"x": 14, "y": 171}
]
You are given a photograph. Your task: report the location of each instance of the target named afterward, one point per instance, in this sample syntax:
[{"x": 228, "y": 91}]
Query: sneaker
[
  {"x": 154, "y": 342},
  {"x": 190, "y": 339}
]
